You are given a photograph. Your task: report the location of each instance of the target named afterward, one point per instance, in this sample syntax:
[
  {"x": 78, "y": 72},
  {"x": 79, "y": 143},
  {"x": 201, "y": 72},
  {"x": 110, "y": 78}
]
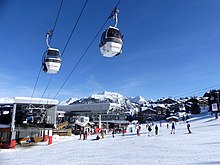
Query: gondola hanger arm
[
  {"x": 48, "y": 37},
  {"x": 114, "y": 15}
]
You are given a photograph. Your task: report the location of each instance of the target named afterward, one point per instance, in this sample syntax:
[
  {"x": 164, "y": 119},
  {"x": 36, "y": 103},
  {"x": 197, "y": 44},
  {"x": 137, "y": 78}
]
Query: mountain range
[{"x": 118, "y": 102}]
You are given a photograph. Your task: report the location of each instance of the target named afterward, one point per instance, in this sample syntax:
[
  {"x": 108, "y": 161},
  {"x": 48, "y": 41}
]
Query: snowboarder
[
  {"x": 188, "y": 127},
  {"x": 173, "y": 128},
  {"x": 156, "y": 130}
]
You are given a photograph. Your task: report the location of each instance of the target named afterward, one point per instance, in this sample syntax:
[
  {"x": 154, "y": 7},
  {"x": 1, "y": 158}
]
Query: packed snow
[{"x": 199, "y": 148}]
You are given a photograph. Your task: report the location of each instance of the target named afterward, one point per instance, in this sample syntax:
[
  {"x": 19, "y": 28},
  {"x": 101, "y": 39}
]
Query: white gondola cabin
[
  {"x": 51, "y": 61},
  {"x": 111, "y": 42}
]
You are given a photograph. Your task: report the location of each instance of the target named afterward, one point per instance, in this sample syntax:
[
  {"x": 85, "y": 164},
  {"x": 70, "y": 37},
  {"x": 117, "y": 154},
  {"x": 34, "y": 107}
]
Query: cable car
[
  {"x": 111, "y": 42},
  {"x": 51, "y": 61}
]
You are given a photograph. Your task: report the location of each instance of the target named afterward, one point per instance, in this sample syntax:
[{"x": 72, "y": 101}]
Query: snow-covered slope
[{"x": 199, "y": 148}]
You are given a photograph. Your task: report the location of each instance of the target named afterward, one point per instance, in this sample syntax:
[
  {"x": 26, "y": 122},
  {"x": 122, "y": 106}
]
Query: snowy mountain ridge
[
  {"x": 139, "y": 100},
  {"x": 68, "y": 101},
  {"x": 123, "y": 103},
  {"x": 107, "y": 95},
  {"x": 6, "y": 100}
]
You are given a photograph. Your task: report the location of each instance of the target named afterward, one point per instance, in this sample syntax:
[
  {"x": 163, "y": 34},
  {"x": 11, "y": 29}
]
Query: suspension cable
[
  {"x": 35, "y": 85},
  {"x": 74, "y": 27},
  {"x": 49, "y": 36},
  {"x": 80, "y": 59},
  {"x": 196, "y": 91},
  {"x": 61, "y": 4},
  {"x": 55, "y": 23},
  {"x": 46, "y": 87}
]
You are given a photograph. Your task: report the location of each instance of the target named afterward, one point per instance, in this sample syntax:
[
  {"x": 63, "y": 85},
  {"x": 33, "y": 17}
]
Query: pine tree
[{"x": 195, "y": 109}]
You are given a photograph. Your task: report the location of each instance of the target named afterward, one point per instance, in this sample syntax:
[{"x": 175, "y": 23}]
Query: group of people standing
[
  {"x": 149, "y": 128},
  {"x": 173, "y": 127},
  {"x": 83, "y": 134}
]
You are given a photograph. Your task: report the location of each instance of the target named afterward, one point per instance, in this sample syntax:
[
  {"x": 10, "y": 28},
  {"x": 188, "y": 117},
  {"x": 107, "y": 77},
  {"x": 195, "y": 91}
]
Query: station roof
[
  {"x": 95, "y": 107},
  {"x": 29, "y": 100},
  {"x": 5, "y": 126}
]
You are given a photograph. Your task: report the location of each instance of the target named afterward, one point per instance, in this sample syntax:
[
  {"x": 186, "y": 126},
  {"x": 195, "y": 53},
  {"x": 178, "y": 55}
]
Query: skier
[
  {"x": 138, "y": 130},
  {"x": 149, "y": 130},
  {"x": 80, "y": 134},
  {"x": 156, "y": 129},
  {"x": 167, "y": 125},
  {"x": 188, "y": 127},
  {"x": 113, "y": 132},
  {"x": 173, "y": 128},
  {"x": 86, "y": 135},
  {"x": 123, "y": 131},
  {"x": 147, "y": 126},
  {"x": 103, "y": 134}
]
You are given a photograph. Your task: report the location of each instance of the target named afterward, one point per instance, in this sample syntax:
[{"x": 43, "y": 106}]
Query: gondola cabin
[
  {"x": 111, "y": 42},
  {"x": 51, "y": 61}
]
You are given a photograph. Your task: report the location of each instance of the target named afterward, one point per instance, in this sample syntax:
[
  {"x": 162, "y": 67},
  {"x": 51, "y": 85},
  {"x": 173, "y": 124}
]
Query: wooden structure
[{"x": 63, "y": 132}]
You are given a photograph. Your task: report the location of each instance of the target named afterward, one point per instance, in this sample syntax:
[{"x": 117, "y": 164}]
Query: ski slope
[{"x": 202, "y": 147}]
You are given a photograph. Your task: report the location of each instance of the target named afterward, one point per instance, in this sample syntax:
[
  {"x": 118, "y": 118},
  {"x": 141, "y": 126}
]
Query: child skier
[
  {"x": 188, "y": 127},
  {"x": 173, "y": 128}
]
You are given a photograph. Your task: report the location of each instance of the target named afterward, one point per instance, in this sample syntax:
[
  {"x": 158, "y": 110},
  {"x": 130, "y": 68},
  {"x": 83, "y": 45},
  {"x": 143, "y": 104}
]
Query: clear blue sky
[{"x": 170, "y": 47}]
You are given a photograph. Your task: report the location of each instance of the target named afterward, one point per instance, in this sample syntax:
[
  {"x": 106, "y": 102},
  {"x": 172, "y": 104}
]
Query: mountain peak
[
  {"x": 68, "y": 101},
  {"x": 106, "y": 94},
  {"x": 138, "y": 99}
]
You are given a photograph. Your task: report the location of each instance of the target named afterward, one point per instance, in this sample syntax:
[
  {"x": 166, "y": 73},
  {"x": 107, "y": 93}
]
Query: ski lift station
[
  {"x": 108, "y": 114},
  {"x": 26, "y": 119}
]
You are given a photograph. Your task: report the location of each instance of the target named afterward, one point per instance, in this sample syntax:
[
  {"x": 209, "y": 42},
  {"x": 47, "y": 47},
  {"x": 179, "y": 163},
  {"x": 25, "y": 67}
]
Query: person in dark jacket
[
  {"x": 188, "y": 127},
  {"x": 149, "y": 130},
  {"x": 173, "y": 128},
  {"x": 156, "y": 130},
  {"x": 113, "y": 132}
]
